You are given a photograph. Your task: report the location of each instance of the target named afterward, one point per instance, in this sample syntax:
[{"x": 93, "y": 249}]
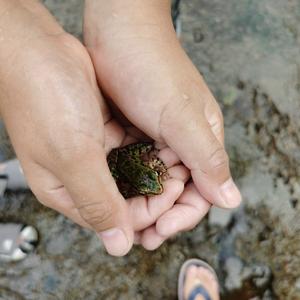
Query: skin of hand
[
  {"x": 141, "y": 66},
  {"x": 62, "y": 130}
]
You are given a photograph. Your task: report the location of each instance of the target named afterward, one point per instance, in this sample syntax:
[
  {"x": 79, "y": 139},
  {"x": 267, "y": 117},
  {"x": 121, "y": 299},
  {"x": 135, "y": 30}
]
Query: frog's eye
[{"x": 153, "y": 175}]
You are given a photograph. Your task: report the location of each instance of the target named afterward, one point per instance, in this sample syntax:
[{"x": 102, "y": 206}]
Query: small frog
[{"x": 137, "y": 170}]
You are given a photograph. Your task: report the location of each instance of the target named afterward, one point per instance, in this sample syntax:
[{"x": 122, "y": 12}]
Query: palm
[{"x": 146, "y": 211}]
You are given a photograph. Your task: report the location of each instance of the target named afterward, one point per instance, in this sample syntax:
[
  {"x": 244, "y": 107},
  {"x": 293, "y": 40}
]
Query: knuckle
[
  {"x": 219, "y": 117},
  {"x": 216, "y": 120},
  {"x": 218, "y": 159},
  {"x": 98, "y": 215},
  {"x": 39, "y": 193},
  {"x": 44, "y": 199},
  {"x": 214, "y": 113}
]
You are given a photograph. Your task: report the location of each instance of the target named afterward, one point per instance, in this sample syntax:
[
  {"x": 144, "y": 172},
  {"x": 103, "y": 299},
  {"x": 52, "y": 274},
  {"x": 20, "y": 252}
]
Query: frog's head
[{"x": 149, "y": 183}]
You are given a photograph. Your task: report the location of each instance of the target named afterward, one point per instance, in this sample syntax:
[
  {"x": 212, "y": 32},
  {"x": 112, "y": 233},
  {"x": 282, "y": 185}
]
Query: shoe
[
  {"x": 11, "y": 176},
  {"x": 16, "y": 241}
]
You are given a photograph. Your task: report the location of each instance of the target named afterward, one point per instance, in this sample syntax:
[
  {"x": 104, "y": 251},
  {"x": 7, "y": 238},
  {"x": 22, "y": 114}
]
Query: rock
[
  {"x": 254, "y": 280},
  {"x": 259, "y": 275},
  {"x": 233, "y": 268},
  {"x": 219, "y": 216}
]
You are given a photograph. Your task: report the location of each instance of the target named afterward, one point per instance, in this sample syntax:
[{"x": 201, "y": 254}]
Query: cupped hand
[
  {"x": 142, "y": 67},
  {"x": 62, "y": 130}
]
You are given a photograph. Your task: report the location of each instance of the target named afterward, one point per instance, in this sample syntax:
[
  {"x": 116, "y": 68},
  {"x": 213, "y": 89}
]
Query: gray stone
[
  {"x": 219, "y": 217},
  {"x": 233, "y": 268}
]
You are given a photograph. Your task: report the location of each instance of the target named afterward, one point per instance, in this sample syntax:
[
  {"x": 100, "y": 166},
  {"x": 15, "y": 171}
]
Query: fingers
[
  {"x": 51, "y": 193},
  {"x": 99, "y": 202},
  {"x": 60, "y": 200},
  {"x": 96, "y": 201},
  {"x": 144, "y": 211},
  {"x": 201, "y": 150},
  {"x": 184, "y": 215},
  {"x": 179, "y": 172},
  {"x": 169, "y": 157},
  {"x": 214, "y": 117},
  {"x": 150, "y": 239},
  {"x": 114, "y": 135}
]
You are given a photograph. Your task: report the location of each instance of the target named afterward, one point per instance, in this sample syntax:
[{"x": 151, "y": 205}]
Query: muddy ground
[{"x": 249, "y": 53}]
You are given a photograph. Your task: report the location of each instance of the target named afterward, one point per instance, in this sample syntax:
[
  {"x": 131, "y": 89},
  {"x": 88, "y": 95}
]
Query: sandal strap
[{"x": 199, "y": 291}]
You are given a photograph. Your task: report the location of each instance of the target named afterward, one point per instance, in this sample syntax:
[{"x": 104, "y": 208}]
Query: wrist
[
  {"x": 26, "y": 26},
  {"x": 22, "y": 23},
  {"x": 109, "y": 20},
  {"x": 128, "y": 10},
  {"x": 127, "y": 5}
]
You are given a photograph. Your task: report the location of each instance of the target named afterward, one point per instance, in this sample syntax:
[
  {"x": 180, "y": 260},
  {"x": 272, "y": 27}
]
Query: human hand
[
  {"x": 62, "y": 130},
  {"x": 141, "y": 66}
]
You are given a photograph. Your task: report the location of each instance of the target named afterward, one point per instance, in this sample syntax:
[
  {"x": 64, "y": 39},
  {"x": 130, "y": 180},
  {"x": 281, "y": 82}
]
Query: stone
[
  {"x": 233, "y": 268},
  {"x": 219, "y": 216}
]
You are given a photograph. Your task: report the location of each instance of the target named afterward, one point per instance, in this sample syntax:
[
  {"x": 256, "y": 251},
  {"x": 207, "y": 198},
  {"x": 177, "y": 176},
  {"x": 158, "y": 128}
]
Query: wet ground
[{"x": 249, "y": 53}]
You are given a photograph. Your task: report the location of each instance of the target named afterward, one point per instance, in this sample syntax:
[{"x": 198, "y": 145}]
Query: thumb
[
  {"x": 98, "y": 200},
  {"x": 202, "y": 152}
]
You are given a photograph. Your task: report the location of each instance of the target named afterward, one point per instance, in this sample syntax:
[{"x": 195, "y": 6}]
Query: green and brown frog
[{"x": 137, "y": 170}]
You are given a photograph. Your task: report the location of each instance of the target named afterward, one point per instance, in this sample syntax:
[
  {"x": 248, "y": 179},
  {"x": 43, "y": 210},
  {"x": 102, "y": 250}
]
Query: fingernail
[
  {"x": 230, "y": 195},
  {"x": 115, "y": 241}
]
